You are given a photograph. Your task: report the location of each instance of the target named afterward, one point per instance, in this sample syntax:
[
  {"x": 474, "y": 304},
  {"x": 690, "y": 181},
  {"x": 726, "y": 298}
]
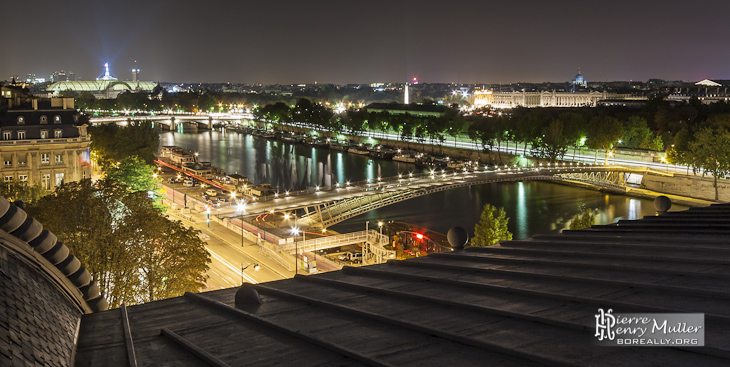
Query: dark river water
[{"x": 533, "y": 207}]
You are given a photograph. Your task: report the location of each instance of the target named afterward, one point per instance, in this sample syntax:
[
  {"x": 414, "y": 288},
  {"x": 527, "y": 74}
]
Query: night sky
[{"x": 368, "y": 41}]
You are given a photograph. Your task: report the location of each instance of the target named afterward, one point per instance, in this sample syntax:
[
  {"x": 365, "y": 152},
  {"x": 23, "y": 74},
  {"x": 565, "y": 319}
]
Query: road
[{"x": 228, "y": 257}]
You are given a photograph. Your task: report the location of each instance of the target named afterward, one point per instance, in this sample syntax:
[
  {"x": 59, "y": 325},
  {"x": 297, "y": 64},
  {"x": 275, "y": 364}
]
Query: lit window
[
  {"x": 45, "y": 158},
  {"x": 7, "y": 135},
  {"x": 21, "y": 120},
  {"x": 46, "y": 181},
  {"x": 8, "y": 162},
  {"x": 59, "y": 179},
  {"x": 44, "y": 119},
  {"x": 59, "y": 158},
  {"x": 23, "y": 178},
  {"x": 58, "y": 133},
  {"x": 21, "y": 135},
  {"x": 57, "y": 119},
  {"x": 8, "y": 178},
  {"x": 44, "y": 134}
]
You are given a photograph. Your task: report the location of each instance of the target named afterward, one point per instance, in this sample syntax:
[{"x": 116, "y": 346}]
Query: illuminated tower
[
  {"x": 405, "y": 95},
  {"x": 107, "y": 75},
  {"x": 135, "y": 72}
]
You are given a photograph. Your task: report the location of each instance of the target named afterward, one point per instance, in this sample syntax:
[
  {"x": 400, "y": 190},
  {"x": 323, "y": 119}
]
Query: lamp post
[
  {"x": 256, "y": 267},
  {"x": 241, "y": 208},
  {"x": 380, "y": 225},
  {"x": 173, "y": 187},
  {"x": 295, "y": 233}
]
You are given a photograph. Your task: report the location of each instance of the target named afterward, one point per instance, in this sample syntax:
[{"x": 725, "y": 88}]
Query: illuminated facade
[
  {"x": 537, "y": 99},
  {"x": 105, "y": 86},
  {"x": 708, "y": 91},
  {"x": 44, "y": 144}
]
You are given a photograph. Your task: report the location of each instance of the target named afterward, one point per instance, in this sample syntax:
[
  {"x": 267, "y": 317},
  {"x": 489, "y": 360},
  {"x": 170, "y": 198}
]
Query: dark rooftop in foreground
[
  {"x": 44, "y": 291},
  {"x": 527, "y": 302}
]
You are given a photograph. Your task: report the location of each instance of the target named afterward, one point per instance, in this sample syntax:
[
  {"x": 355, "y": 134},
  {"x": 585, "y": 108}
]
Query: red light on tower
[
  {"x": 419, "y": 236},
  {"x": 415, "y": 80}
]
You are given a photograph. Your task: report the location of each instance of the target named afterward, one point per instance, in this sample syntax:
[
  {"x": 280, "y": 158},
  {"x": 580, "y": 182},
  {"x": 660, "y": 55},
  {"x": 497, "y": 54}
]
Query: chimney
[{"x": 35, "y": 104}]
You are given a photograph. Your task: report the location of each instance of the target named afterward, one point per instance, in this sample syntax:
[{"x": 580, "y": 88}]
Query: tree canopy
[
  {"x": 492, "y": 227},
  {"x": 112, "y": 143},
  {"x": 133, "y": 252}
]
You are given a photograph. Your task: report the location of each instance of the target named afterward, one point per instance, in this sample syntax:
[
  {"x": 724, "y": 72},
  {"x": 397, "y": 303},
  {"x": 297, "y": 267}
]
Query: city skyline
[{"x": 290, "y": 42}]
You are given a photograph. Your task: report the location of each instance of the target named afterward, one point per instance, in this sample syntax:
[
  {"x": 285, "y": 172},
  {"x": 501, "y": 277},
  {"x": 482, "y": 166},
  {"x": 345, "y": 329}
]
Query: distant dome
[{"x": 579, "y": 80}]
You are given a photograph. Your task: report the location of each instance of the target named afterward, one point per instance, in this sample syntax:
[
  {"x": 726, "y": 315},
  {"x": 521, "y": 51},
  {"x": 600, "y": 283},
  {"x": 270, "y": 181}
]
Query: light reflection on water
[{"x": 533, "y": 207}]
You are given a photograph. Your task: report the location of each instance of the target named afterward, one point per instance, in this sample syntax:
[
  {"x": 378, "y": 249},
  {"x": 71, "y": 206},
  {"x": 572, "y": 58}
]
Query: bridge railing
[{"x": 370, "y": 236}]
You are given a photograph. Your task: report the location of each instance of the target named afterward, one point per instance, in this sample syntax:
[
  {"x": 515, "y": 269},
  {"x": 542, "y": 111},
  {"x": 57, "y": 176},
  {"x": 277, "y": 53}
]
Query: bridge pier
[{"x": 210, "y": 122}]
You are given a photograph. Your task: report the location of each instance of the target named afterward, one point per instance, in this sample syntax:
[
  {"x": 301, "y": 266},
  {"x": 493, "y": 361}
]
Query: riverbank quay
[{"x": 672, "y": 181}]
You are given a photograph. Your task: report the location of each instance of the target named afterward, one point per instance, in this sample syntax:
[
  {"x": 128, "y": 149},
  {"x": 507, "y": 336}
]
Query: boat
[
  {"x": 359, "y": 149},
  {"x": 407, "y": 156},
  {"x": 291, "y": 138},
  {"x": 338, "y": 145}
]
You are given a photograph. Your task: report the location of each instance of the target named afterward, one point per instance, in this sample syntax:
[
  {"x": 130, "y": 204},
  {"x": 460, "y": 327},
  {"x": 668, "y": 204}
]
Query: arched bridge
[
  {"x": 173, "y": 121},
  {"x": 326, "y": 206}
]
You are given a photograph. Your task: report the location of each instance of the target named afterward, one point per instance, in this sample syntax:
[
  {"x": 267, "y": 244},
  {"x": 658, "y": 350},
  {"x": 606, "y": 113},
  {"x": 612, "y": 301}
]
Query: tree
[
  {"x": 582, "y": 220},
  {"x": 679, "y": 151},
  {"x": 710, "y": 150},
  {"x": 636, "y": 133},
  {"x": 133, "y": 252},
  {"x": 605, "y": 132},
  {"x": 554, "y": 143},
  {"x": 18, "y": 190},
  {"x": 114, "y": 143},
  {"x": 492, "y": 227}
]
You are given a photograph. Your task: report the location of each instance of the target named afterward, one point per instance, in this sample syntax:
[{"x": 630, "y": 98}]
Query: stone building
[
  {"x": 514, "y": 99},
  {"x": 43, "y": 142}
]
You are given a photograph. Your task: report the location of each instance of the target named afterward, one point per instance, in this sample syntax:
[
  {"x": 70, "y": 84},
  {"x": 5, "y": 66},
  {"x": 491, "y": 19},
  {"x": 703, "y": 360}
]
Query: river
[{"x": 533, "y": 207}]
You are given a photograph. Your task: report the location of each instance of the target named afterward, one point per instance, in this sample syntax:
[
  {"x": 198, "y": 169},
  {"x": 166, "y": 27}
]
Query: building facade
[
  {"x": 44, "y": 144},
  {"x": 537, "y": 99},
  {"x": 707, "y": 91}
]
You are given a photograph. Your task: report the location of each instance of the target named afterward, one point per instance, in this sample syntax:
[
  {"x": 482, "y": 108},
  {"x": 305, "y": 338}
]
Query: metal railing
[{"x": 370, "y": 236}]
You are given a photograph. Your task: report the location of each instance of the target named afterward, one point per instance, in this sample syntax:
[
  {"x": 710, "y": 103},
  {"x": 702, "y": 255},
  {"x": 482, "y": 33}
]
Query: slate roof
[
  {"x": 43, "y": 293},
  {"x": 528, "y": 302}
]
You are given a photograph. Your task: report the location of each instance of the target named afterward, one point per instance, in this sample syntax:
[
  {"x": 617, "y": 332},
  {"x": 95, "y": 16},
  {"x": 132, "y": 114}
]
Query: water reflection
[{"x": 533, "y": 207}]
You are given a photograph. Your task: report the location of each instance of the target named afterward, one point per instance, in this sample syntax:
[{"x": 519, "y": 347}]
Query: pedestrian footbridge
[
  {"x": 372, "y": 195},
  {"x": 373, "y": 244}
]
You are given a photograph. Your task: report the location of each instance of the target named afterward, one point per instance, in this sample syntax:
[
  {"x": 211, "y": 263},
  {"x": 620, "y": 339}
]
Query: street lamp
[
  {"x": 242, "y": 209},
  {"x": 295, "y": 233},
  {"x": 380, "y": 224},
  {"x": 256, "y": 267}
]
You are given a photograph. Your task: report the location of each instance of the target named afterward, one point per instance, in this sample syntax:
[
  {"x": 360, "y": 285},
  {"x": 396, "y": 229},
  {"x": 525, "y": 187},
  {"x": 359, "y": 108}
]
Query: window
[
  {"x": 46, "y": 181},
  {"x": 59, "y": 179},
  {"x": 23, "y": 178},
  {"x": 8, "y": 162},
  {"x": 44, "y": 134},
  {"x": 59, "y": 158},
  {"x": 57, "y": 133},
  {"x": 8, "y": 178},
  {"x": 83, "y": 175},
  {"x": 21, "y": 120},
  {"x": 44, "y": 119},
  {"x": 57, "y": 119},
  {"x": 7, "y": 135},
  {"x": 21, "y": 135},
  {"x": 45, "y": 158},
  {"x": 22, "y": 160}
]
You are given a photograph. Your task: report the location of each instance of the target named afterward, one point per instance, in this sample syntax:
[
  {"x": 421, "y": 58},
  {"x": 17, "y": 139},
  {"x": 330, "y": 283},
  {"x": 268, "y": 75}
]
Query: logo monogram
[{"x": 605, "y": 321}]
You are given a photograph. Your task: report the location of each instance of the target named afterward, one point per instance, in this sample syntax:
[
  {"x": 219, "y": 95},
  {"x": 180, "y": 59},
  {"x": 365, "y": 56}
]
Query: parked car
[
  {"x": 189, "y": 183},
  {"x": 211, "y": 192}
]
